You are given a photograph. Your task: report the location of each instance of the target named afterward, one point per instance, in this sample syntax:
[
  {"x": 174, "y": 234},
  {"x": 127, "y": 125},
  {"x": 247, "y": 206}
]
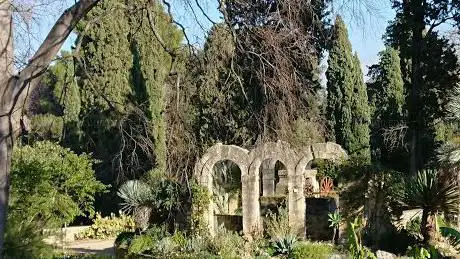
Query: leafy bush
[
  {"x": 105, "y": 227},
  {"x": 47, "y": 127},
  {"x": 277, "y": 225},
  {"x": 226, "y": 244},
  {"x": 124, "y": 239},
  {"x": 312, "y": 250},
  {"x": 284, "y": 246},
  {"x": 141, "y": 243},
  {"x": 51, "y": 185},
  {"x": 418, "y": 252}
]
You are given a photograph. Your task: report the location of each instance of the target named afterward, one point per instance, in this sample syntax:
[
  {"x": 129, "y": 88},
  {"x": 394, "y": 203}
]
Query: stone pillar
[
  {"x": 268, "y": 181},
  {"x": 296, "y": 203},
  {"x": 251, "y": 206},
  {"x": 282, "y": 185}
]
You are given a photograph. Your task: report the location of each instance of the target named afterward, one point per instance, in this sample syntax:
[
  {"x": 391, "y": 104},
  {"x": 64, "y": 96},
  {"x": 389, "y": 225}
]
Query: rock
[{"x": 385, "y": 255}]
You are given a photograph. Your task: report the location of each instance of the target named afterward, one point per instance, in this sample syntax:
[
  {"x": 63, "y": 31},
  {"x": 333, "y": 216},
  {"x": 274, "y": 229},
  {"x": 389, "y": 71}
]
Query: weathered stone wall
[{"x": 291, "y": 182}]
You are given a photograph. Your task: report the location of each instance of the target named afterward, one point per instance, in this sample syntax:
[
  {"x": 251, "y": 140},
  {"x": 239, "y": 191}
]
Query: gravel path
[{"x": 100, "y": 247}]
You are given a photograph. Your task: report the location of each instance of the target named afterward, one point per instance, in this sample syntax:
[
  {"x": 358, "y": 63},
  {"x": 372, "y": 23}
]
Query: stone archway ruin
[{"x": 249, "y": 161}]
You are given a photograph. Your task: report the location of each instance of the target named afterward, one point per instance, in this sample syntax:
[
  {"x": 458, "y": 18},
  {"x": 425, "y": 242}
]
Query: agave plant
[
  {"x": 284, "y": 246},
  {"x": 138, "y": 199},
  {"x": 427, "y": 191}
]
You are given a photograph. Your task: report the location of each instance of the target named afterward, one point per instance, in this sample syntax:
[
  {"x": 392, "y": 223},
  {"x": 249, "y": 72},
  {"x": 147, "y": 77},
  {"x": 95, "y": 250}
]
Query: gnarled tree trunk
[{"x": 14, "y": 89}]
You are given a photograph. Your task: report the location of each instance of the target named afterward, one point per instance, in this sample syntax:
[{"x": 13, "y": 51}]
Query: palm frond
[
  {"x": 135, "y": 193},
  {"x": 427, "y": 191}
]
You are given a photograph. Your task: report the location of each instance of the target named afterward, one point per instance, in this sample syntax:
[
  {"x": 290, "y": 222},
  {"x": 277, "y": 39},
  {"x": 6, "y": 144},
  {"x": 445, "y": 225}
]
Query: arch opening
[{"x": 227, "y": 195}]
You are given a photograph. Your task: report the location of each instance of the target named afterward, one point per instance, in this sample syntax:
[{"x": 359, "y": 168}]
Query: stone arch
[
  {"x": 330, "y": 151},
  {"x": 276, "y": 151},
  {"x": 204, "y": 171}
]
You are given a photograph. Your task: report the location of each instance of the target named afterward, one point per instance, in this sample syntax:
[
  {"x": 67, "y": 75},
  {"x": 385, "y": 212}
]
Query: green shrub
[
  {"x": 47, "y": 127},
  {"x": 418, "y": 252},
  {"x": 51, "y": 185},
  {"x": 124, "y": 239},
  {"x": 106, "y": 227},
  {"x": 226, "y": 244},
  {"x": 140, "y": 244},
  {"x": 312, "y": 250},
  {"x": 277, "y": 225}
]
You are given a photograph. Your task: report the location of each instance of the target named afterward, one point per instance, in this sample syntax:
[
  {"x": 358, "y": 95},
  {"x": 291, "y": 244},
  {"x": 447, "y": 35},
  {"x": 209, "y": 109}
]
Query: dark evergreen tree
[
  {"x": 347, "y": 109},
  {"x": 154, "y": 42},
  {"x": 387, "y": 98},
  {"x": 220, "y": 102},
  {"x": 55, "y": 105},
  {"x": 429, "y": 70},
  {"x": 360, "y": 113}
]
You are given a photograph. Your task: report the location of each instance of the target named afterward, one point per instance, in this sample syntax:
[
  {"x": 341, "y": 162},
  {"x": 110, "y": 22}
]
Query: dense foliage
[
  {"x": 52, "y": 185},
  {"x": 347, "y": 105}
]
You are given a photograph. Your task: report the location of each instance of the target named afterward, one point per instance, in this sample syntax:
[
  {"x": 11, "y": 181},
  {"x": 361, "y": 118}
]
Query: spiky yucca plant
[
  {"x": 427, "y": 191},
  {"x": 138, "y": 199}
]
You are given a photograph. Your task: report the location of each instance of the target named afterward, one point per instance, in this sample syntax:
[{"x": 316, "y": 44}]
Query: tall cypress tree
[
  {"x": 127, "y": 55},
  {"x": 387, "y": 97},
  {"x": 340, "y": 81},
  {"x": 153, "y": 39},
  {"x": 360, "y": 114},
  {"x": 105, "y": 82}
]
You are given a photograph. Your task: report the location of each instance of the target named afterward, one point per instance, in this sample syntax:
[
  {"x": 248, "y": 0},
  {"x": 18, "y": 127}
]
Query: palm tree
[
  {"x": 138, "y": 199},
  {"x": 430, "y": 193}
]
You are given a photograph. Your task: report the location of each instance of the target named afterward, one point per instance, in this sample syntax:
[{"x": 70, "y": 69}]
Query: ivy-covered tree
[
  {"x": 347, "y": 109},
  {"x": 387, "y": 98}
]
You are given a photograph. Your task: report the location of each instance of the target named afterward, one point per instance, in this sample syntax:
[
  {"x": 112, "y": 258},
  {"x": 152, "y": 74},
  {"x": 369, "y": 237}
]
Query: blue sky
[{"x": 366, "y": 23}]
